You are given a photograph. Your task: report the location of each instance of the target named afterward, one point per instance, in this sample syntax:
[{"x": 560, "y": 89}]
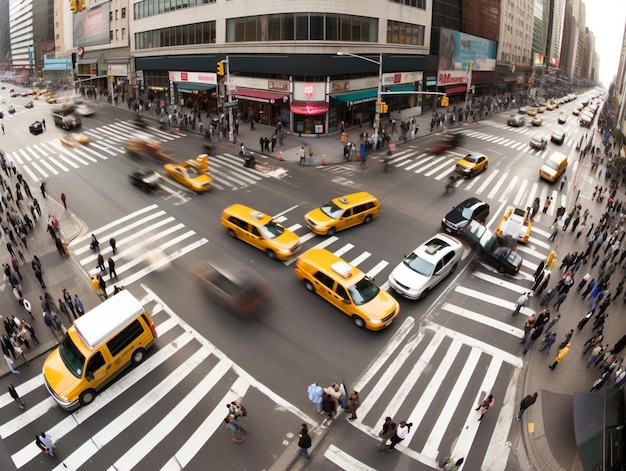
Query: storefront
[
  {"x": 193, "y": 89},
  {"x": 264, "y": 101},
  {"x": 309, "y": 108}
]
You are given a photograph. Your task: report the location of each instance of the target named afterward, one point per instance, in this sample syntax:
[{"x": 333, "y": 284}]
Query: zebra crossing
[
  {"x": 50, "y": 158},
  {"x": 130, "y": 411},
  {"x": 434, "y": 374},
  {"x": 148, "y": 239}
]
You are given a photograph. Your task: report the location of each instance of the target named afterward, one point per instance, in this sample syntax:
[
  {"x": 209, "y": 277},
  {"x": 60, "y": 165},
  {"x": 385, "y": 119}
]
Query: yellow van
[
  {"x": 552, "y": 169},
  {"x": 342, "y": 212},
  {"x": 97, "y": 348},
  {"x": 260, "y": 231},
  {"x": 347, "y": 288}
]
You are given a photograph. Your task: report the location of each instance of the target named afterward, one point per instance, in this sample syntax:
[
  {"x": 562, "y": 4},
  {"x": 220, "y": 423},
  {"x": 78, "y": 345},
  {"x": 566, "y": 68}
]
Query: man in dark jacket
[{"x": 526, "y": 403}]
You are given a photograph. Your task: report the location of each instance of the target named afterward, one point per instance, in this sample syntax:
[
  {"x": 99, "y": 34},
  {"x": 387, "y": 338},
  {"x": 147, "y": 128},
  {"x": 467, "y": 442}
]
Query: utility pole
[
  {"x": 469, "y": 83},
  {"x": 231, "y": 134}
]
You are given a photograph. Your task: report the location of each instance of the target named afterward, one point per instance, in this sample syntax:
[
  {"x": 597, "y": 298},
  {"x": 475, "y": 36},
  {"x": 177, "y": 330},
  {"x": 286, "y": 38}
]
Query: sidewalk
[{"x": 58, "y": 273}]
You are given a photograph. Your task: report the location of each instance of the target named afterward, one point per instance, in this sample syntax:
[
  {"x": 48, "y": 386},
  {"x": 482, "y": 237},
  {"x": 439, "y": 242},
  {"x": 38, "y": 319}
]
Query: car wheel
[
  {"x": 453, "y": 267},
  {"x": 271, "y": 254},
  {"x": 87, "y": 397},
  {"x": 309, "y": 286},
  {"x": 358, "y": 321},
  {"x": 424, "y": 293},
  {"x": 331, "y": 231},
  {"x": 367, "y": 219},
  {"x": 232, "y": 234},
  {"x": 138, "y": 356}
]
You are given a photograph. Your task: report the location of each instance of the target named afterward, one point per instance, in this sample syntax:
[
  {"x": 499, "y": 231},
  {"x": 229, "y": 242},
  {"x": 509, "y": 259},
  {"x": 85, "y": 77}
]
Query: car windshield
[
  {"x": 192, "y": 172},
  {"x": 71, "y": 356},
  {"x": 271, "y": 230},
  {"x": 552, "y": 165},
  {"x": 471, "y": 158},
  {"x": 419, "y": 265},
  {"x": 364, "y": 291},
  {"x": 331, "y": 210}
]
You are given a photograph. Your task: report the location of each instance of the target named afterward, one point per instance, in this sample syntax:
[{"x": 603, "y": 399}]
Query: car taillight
[{"x": 153, "y": 329}]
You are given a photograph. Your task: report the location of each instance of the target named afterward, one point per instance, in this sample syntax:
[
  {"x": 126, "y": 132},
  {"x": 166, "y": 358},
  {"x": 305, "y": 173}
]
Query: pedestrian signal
[
  {"x": 220, "y": 68},
  {"x": 444, "y": 101}
]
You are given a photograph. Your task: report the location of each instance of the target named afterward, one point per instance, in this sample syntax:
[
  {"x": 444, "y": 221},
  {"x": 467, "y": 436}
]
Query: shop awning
[
  {"x": 354, "y": 98},
  {"x": 309, "y": 107},
  {"x": 188, "y": 87},
  {"x": 263, "y": 96}
]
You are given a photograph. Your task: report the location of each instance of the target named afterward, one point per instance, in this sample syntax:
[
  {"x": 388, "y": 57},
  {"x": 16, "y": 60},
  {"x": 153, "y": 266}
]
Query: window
[
  {"x": 123, "y": 33},
  {"x": 94, "y": 364},
  {"x": 116, "y": 12},
  {"x": 412, "y": 3},
  {"x": 123, "y": 13},
  {"x": 341, "y": 292},
  {"x": 122, "y": 340},
  {"x": 111, "y": 35},
  {"x": 324, "y": 279},
  {"x": 405, "y": 33}
]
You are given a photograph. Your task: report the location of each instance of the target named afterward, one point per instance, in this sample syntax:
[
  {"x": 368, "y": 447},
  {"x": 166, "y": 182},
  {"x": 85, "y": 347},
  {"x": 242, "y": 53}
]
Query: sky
[{"x": 606, "y": 19}]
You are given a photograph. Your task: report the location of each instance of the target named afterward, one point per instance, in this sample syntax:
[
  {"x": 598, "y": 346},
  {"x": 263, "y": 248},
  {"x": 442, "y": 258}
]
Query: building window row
[
  {"x": 302, "y": 27},
  {"x": 183, "y": 35},
  {"x": 148, "y": 8},
  {"x": 412, "y": 3},
  {"x": 405, "y": 33}
]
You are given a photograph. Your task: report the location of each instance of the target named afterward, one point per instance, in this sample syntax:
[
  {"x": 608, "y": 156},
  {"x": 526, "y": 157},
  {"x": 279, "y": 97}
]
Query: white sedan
[{"x": 426, "y": 266}]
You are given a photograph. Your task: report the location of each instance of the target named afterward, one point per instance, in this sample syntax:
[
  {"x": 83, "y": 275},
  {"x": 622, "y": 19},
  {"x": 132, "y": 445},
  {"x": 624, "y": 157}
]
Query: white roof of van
[{"x": 104, "y": 320}]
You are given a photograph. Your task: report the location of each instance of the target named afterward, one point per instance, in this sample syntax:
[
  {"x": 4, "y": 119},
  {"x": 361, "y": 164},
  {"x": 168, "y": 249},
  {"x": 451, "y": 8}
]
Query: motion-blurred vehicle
[
  {"x": 557, "y": 136},
  {"x": 516, "y": 121},
  {"x": 146, "y": 148},
  {"x": 516, "y": 223},
  {"x": 1, "y": 114},
  {"x": 539, "y": 142},
  {"x": 191, "y": 173},
  {"x": 232, "y": 284},
  {"x": 531, "y": 112},
  {"x": 13, "y": 95},
  {"x": 449, "y": 142},
  {"x": 562, "y": 119},
  {"x": 83, "y": 109},
  {"x": 145, "y": 179},
  {"x": 342, "y": 212},
  {"x": 523, "y": 110},
  {"x": 82, "y": 139},
  {"x": 471, "y": 164},
  {"x": 536, "y": 121},
  {"x": 488, "y": 248},
  {"x": 29, "y": 104},
  {"x": 11, "y": 109},
  {"x": 35, "y": 128}
]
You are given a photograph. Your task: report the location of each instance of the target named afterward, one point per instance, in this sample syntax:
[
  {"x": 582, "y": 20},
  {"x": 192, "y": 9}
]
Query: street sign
[{"x": 231, "y": 104}]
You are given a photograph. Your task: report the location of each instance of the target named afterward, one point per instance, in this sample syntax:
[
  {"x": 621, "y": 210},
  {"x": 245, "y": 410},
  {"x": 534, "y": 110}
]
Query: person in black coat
[{"x": 304, "y": 442}]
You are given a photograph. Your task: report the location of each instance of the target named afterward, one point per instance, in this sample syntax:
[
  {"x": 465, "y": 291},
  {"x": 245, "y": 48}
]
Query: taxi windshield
[
  {"x": 331, "y": 210},
  {"x": 71, "y": 356},
  {"x": 363, "y": 292},
  {"x": 271, "y": 230},
  {"x": 552, "y": 165}
]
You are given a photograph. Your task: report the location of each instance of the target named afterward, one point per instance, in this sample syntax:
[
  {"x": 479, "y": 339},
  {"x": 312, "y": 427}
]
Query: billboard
[
  {"x": 91, "y": 26},
  {"x": 458, "y": 51}
]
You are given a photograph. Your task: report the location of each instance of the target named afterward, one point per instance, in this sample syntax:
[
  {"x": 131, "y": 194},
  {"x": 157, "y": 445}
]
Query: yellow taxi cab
[
  {"x": 516, "y": 223},
  {"x": 531, "y": 112},
  {"x": 536, "y": 121},
  {"x": 576, "y": 111},
  {"x": 13, "y": 94},
  {"x": 66, "y": 140},
  {"x": 551, "y": 106},
  {"x": 51, "y": 100},
  {"x": 471, "y": 164},
  {"x": 347, "y": 288},
  {"x": 259, "y": 230},
  {"x": 541, "y": 109},
  {"x": 342, "y": 212},
  {"x": 82, "y": 138},
  {"x": 144, "y": 147},
  {"x": 191, "y": 173}
]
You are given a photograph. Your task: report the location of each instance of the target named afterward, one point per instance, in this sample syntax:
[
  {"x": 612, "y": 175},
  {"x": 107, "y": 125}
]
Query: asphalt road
[{"x": 300, "y": 339}]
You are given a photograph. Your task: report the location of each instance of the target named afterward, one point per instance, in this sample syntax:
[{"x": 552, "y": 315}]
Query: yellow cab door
[
  {"x": 346, "y": 220},
  {"x": 255, "y": 238},
  {"x": 324, "y": 287},
  {"x": 97, "y": 370}
]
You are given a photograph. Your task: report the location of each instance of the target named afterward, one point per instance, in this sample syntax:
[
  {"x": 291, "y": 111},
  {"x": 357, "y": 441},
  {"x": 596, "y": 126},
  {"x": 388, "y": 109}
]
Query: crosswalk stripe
[
  {"x": 360, "y": 259},
  {"x": 495, "y": 188},
  {"x": 520, "y": 193},
  {"x": 103, "y": 148},
  {"x": 380, "y": 266},
  {"x": 49, "y": 167},
  {"x": 482, "y": 319},
  {"x": 204, "y": 432},
  {"x": 108, "y": 226},
  {"x": 83, "y": 153},
  {"x": 492, "y": 174},
  {"x": 510, "y": 185},
  {"x": 508, "y": 305},
  {"x": 59, "y": 164},
  {"x": 425, "y": 167},
  {"x": 343, "y": 250},
  {"x": 444, "y": 164},
  {"x": 41, "y": 149},
  {"x": 344, "y": 461}
]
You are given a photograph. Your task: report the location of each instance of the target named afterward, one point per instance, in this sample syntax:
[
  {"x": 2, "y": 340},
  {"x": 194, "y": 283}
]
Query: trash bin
[{"x": 249, "y": 161}]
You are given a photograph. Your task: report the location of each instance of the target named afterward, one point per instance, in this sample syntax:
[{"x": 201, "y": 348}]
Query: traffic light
[
  {"x": 74, "y": 5},
  {"x": 383, "y": 107},
  {"x": 81, "y": 5},
  {"x": 444, "y": 101},
  {"x": 220, "y": 68}
]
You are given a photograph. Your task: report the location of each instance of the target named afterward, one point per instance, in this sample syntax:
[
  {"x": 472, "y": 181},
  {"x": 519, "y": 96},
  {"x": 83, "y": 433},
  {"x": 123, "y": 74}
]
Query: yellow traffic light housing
[
  {"x": 74, "y": 5},
  {"x": 445, "y": 101},
  {"x": 81, "y": 5},
  {"x": 220, "y": 68}
]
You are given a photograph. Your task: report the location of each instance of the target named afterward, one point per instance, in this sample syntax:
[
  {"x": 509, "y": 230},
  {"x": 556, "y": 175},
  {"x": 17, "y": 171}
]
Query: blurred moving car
[
  {"x": 462, "y": 213},
  {"x": 83, "y": 109},
  {"x": 259, "y": 230},
  {"x": 516, "y": 121},
  {"x": 504, "y": 259},
  {"x": 11, "y": 109},
  {"x": 145, "y": 148},
  {"x": 82, "y": 138},
  {"x": 562, "y": 119},
  {"x": 145, "y": 178},
  {"x": 471, "y": 164},
  {"x": 342, "y": 212},
  {"x": 539, "y": 142},
  {"x": 426, "y": 266},
  {"x": 13, "y": 94},
  {"x": 449, "y": 142},
  {"x": 29, "y": 104},
  {"x": 516, "y": 223},
  {"x": 232, "y": 284},
  {"x": 536, "y": 121},
  {"x": 557, "y": 136},
  {"x": 191, "y": 173},
  {"x": 531, "y": 112},
  {"x": 35, "y": 128}
]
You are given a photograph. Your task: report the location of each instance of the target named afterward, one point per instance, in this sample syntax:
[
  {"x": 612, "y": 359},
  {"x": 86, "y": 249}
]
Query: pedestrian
[
  {"x": 64, "y": 309},
  {"x": 42, "y": 187},
  {"x": 533, "y": 335},
  {"x": 562, "y": 354},
  {"x": 19, "y": 352},
  {"x": 78, "y": 305},
  {"x": 45, "y": 443},
  {"x": 546, "y": 204},
  {"x": 43, "y": 123},
  {"x": 329, "y": 405},
  {"x": 559, "y": 300},
  {"x": 521, "y": 302},
  {"x": 484, "y": 406},
  {"x": 64, "y": 199},
  {"x": 47, "y": 319},
  {"x": 235, "y": 428},
  {"x": 452, "y": 465},
  {"x": 304, "y": 442},
  {"x": 111, "y": 263},
  {"x": 100, "y": 264},
  {"x": 103, "y": 286},
  {"x": 563, "y": 182},
  {"x": 95, "y": 283},
  {"x": 2, "y": 125},
  {"x": 10, "y": 248},
  {"x": 401, "y": 433},
  {"x": 113, "y": 244},
  {"x": 67, "y": 297},
  {"x": 10, "y": 365},
  {"x": 548, "y": 341},
  {"x": 526, "y": 403},
  {"x": 39, "y": 277},
  {"x": 619, "y": 345},
  {"x": 592, "y": 342},
  {"x": 387, "y": 431},
  {"x": 16, "y": 267},
  {"x": 596, "y": 353},
  {"x": 316, "y": 393},
  {"x": 598, "y": 383},
  {"x": 353, "y": 404},
  {"x": 554, "y": 320},
  {"x": 95, "y": 244},
  {"x": 31, "y": 331},
  {"x": 567, "y": 339},
  {"x": 16, "y": 397},
  {"x": 528, "y": 325},
  {"x": 302, "y": 155}
]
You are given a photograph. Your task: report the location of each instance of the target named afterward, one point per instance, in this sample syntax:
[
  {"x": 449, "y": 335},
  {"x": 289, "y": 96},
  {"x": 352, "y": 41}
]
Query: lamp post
[{"x": 379, "y": 93}]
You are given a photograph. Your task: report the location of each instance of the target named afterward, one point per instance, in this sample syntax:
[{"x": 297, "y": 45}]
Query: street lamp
[{"x": 379, "y": 63}]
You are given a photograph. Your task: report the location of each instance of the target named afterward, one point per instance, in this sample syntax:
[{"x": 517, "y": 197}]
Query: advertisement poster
[{"x": 458, "y": 51}]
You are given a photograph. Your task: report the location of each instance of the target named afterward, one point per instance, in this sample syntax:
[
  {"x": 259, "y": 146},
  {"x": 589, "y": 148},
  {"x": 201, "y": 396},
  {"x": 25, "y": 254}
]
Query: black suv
[{"x": 461, "y": 214}]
